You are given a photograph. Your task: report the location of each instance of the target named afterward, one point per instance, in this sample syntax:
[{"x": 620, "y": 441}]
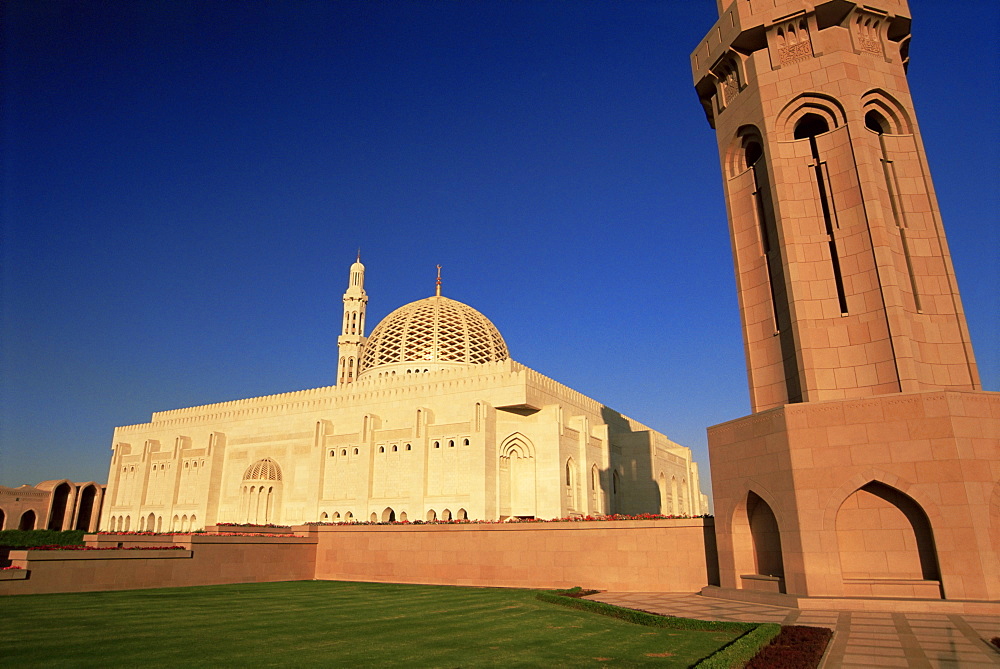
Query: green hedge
[
  {"x": 754, "y": 635},
  {"x": 743, "y": 649},
  {"x": 29, "y": 538},
  {"x": 642, "y": 618}
]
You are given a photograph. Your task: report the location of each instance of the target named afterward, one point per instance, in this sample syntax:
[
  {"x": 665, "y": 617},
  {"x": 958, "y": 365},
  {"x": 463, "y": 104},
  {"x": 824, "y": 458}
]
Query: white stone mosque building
[{"x": 430, "y": 419}]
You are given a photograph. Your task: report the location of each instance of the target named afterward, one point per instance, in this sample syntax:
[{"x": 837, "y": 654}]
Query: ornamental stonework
[
  {"x": 870, "y": 45},
  {"x": 793, "y": 53}
]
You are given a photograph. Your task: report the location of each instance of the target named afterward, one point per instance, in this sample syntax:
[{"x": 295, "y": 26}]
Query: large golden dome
[{"x": 430, "y": 334}]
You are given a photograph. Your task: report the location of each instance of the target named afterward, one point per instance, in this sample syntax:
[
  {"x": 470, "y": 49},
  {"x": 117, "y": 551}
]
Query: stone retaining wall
[
  {"x": 204, "y": 560},
  {"x": 648, "y": 555}
]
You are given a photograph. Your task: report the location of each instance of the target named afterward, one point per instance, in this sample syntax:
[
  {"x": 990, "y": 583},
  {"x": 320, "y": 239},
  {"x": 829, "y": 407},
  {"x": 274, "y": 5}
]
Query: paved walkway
[{"x": 861, "y": 639}]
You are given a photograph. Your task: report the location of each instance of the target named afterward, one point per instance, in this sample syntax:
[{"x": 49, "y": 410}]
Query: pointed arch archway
[
  {"x": 757, "y": 552},
  {"x": 89, "y": 505},
  {"x": 60, "y": 506},
  {"x": 517, "y": 477},
  {"x": 884, "y": 536},
  {"x": 27, "y": 521},
  {"x": 260, "y": 492}
]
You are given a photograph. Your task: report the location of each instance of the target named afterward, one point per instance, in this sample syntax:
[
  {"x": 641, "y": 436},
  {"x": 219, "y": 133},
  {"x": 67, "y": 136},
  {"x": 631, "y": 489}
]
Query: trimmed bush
[
  {"x": 32, "y": 538},
  {"x": 641, "y": 617},
  {"x": 742, "y": 650}
]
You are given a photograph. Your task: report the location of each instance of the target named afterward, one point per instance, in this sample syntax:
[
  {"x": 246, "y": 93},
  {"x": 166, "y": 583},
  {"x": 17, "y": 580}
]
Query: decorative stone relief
[{"x": 794, "y": 53}]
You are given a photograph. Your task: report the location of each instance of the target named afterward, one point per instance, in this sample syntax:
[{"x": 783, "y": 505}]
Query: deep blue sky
[{"x": 185, "y": 185}]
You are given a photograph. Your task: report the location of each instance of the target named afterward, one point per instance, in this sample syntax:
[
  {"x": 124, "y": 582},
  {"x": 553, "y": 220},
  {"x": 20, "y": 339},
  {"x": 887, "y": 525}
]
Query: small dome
[
  {"x": 263, "y": 470},
  {"x": 433, "y": 333}
]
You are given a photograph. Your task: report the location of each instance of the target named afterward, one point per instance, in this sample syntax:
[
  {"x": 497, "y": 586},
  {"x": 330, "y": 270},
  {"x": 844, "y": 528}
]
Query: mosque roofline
[{"x": 372, "y": 389}]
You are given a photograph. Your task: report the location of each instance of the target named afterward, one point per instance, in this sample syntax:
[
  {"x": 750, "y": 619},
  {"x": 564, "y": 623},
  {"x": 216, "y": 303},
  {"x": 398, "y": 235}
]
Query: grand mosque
[{"x": 430, "y": 420}]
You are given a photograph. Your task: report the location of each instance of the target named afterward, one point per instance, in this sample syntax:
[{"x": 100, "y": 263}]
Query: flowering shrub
[
  {"x": 272, "y": 526},
  {"x": 456, "y": 521},
  {"x": 10, "y": 568},
  {"x": 105, "y": 548}
]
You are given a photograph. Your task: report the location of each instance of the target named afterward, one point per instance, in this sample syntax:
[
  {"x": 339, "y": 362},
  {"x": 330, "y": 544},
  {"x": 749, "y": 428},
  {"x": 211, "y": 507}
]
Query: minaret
[
  {"x": 351, "y": 342},
  {"x": 862, "y": 470},
  {"x": 845, "y": 282}
]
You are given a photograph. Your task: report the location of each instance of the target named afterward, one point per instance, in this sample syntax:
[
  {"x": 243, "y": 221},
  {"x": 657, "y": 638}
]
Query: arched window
[
  {"x": 437, "y": 444},
  {"x": 27, "y": 521},
  {"x": 810, "y": 125},
  {"x": 446, "y": 515},
  {"x": 451, "y": 443},
  {"x": 875, "y": 122},
  {"x": 462, "y": 514},
  {"x": 381, "y": 449},
  {"x": 431, "y": 514},
  {"x": 374, "y": 517},
  {"x": 355, "y": 451},
  {"x": 343, "y": 451}
]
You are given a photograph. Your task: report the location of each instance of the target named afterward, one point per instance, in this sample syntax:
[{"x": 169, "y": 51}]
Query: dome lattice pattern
[
  {"x": 263, "y": 470},
  {"x": 434, "y": 330}
]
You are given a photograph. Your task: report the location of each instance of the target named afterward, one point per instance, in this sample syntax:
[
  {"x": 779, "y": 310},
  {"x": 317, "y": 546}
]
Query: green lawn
[{"x": 325, "y": 623}]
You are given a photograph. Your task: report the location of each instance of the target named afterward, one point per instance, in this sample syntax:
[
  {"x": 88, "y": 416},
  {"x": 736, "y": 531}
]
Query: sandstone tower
[
  {"x": 351, "y": 342},
  {"x": 870, "y": 466}
]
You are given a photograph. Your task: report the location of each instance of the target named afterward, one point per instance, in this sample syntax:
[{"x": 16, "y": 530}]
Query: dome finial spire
[
  {"x": 359, "y": 254},
  {"x": 438, "y": 285}
]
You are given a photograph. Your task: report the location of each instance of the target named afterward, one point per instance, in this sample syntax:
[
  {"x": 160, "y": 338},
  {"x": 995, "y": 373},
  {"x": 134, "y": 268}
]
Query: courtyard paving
[{"x": 861, "y": 639}]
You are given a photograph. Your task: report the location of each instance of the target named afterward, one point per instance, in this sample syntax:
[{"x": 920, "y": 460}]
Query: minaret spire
[
  {"x": 438, "y": 285},
  {"x": 351, "y": 342}
]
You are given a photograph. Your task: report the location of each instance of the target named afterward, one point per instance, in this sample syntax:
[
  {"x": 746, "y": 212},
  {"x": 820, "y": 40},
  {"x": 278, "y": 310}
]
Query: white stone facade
[{"x": 464, "y": 439}]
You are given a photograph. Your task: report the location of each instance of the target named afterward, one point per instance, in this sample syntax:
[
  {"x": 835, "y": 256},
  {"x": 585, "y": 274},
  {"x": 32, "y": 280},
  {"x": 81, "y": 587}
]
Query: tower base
[{"x": 895, "y": 497}]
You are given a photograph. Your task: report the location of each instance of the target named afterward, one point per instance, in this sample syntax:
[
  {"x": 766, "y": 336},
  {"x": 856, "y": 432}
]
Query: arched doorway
[
  {"x": 87, "y": 505},
  {"x": 260, "y": 493},
  {"x": 60, "y": 498},
  {"x": 765, "y": 539},
  {"x": 884, "y": 534},
  {"x": 3, "y": 519},
  {"x": 27, "y": 521},
  {"x": 517, "y": 478}
]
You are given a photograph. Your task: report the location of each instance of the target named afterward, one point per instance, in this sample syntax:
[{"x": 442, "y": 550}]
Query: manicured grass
[{"x": 325, "y": 623}]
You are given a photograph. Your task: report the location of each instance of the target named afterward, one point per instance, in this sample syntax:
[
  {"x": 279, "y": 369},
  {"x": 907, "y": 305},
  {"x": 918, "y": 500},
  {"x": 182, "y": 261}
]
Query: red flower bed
[
  {"x": 9, "y": 568},
  {"x": 104, "y": 548},
  {"x": 573, "y": 519},
  {"x": 795, "y": 647}
]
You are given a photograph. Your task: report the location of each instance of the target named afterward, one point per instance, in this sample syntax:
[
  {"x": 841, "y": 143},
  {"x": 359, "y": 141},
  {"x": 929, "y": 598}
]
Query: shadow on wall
[
  {"x": 632, "y": 483},
  {"x": 641, "y": 492}
]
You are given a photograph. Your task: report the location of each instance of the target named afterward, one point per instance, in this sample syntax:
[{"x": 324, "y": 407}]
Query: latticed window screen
[
  {"x": 435, "y": 329},
  {"x": 263, "y": 470}
]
